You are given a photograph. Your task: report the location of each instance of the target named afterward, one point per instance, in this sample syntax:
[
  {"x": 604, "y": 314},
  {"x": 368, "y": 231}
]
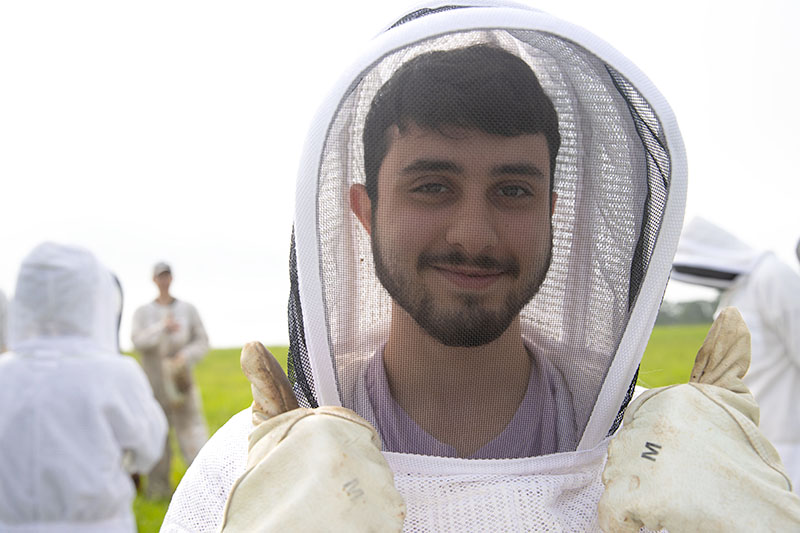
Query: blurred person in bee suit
[
  {"x": 171, "y": 339},
  {"x": 78, "y": 417},
  {"x": 486, "y": 214},
  {"x": 767, "y": 293},
  {"x": 3, "y": 322}
]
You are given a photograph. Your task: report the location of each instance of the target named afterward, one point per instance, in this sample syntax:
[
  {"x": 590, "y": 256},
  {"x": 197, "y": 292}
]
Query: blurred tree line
[{"x": 689, "y": 312}]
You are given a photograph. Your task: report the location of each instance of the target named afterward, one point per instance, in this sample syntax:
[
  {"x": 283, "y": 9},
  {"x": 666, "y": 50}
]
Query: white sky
[{"x": 172, "y": 130}]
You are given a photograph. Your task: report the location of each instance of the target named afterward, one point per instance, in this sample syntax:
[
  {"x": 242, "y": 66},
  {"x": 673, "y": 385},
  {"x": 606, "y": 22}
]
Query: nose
[{"x": 472, "y": 225}]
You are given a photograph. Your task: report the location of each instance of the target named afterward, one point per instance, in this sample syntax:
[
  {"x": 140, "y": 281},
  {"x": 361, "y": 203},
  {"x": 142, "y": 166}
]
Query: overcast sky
[{"x": 172, "y": 130}]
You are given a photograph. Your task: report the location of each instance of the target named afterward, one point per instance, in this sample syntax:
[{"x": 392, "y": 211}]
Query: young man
[
  {"x": 482, "y": 300},
  {"x": 78, "y": 418},
  {"x": 171, "y": 339}
]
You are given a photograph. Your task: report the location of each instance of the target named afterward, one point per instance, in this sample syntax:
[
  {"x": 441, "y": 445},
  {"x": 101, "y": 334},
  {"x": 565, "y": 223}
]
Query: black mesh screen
[
  {"x": 297, "y": 361},
  {"x": 625, "y": 402},
  {"x": 422, "y": 12},
  {"x": 706, "y": 272},
  {"x": 658, "y": 175},
  {"x": 658, "y": 172}
]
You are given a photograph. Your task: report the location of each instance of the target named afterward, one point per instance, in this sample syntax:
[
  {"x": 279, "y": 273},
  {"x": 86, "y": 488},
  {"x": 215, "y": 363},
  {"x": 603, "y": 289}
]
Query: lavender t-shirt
[{"x": 544, "y": 422}]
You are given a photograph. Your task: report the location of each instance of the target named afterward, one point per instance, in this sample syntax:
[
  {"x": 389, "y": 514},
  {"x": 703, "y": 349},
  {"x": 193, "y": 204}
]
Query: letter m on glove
[{"x": 651, "y": 450}]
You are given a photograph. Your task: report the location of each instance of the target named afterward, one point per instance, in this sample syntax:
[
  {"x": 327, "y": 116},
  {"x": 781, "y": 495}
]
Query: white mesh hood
[
  {"x": 710, "y": 256},
  {"x": 620, "y": 178},
  {"x": 65, "y": 303}
]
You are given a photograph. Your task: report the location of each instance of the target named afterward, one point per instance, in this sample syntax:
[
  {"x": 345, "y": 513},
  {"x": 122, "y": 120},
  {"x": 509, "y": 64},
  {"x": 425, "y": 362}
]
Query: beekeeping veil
[
  {"x": 65, "y": 303},
  {"x": 620, "y": 179},
  {"x": 708, "y": 255}
]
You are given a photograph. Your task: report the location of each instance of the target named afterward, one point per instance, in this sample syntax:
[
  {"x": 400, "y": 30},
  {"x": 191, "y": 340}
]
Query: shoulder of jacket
[{"x": 144, "y": 308}]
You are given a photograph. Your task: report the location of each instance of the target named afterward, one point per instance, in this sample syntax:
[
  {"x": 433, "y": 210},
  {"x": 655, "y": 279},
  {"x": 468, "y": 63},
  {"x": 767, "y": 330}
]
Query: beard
[{"x": 470, "y": 323}]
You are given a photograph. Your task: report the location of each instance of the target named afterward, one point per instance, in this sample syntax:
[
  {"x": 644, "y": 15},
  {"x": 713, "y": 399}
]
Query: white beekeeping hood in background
[
  {"x": 710, "y": 256},
  {"x": 65, "y": 303}
]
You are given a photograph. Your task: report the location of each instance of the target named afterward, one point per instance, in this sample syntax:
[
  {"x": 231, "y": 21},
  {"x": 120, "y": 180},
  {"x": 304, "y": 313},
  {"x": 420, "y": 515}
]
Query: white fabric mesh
[
  {"x": 562, "y": 498},
  {"x": 500, "y": 503},
  {"x": 199, "y": 500},
  {"x": 559, "y": 501}
]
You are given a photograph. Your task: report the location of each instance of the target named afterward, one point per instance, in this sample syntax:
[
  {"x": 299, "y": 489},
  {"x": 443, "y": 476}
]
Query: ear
[
  {"x": 361, "y": 206},
  {"x": 553, "y": 199}
]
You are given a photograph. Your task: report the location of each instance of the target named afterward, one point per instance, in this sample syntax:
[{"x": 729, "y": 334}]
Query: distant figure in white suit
[{"x": 170, "y": 337}]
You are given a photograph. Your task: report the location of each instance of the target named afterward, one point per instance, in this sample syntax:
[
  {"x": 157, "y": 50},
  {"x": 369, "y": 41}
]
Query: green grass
[
  {"x": 225, "y": 391},
  {"x": 670, "y": 354}
]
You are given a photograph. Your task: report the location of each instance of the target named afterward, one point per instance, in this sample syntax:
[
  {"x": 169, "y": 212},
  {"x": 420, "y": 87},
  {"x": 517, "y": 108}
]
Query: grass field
[
  {"x": 667, "y": 360},
  {"x": 225, "y": 392}
]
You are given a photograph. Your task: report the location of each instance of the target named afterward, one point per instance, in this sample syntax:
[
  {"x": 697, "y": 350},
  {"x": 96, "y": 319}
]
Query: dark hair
[{"x": 479, "y": 87}]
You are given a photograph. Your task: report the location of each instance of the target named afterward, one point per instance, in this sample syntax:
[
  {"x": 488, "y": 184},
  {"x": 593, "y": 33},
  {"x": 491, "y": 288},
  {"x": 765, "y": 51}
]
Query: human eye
[
  {"x": 514, "y": 191},
  {"x": 431, "y": 188}
]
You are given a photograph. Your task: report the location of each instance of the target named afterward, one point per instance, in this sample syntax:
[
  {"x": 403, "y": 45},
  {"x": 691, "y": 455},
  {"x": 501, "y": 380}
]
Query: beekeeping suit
[
  {"x": 78, "y": 417},
  {"x": 767, "y": 293},
  {"x": 168, "y": 358},
  {"x": 619, "y": 186}
]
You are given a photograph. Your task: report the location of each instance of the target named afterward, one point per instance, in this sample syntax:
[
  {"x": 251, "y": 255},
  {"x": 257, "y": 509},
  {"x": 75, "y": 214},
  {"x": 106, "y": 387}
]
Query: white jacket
[
  {"x": 767, "y": 293},
  {"x": 156, "y": 345},
  {"x": 152, "y": 339},
  {"x": 78, "y": 417}
]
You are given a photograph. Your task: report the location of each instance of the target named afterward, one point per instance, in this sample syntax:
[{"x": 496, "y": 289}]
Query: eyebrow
[
  {"x": 518, "y": 169},
  {"x": 444, "y": 165},
  {"x": 432, "y": 165}
]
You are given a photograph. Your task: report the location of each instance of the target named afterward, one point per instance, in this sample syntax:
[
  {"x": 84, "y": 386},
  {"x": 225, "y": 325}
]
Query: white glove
[
  {"x": 308, "y": 469},
  {"x": 691, "y": 457}
]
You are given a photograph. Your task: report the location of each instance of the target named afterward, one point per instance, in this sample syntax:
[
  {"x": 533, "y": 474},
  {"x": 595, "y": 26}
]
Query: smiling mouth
[
  {"x": 469, "y": 278},
  {"x": 470, "y": 272}
]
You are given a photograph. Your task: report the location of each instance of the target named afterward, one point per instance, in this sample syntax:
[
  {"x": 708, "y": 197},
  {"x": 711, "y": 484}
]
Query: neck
[
  {"x": 449, "y": 391},
  {"x": 164, "y": 298}
]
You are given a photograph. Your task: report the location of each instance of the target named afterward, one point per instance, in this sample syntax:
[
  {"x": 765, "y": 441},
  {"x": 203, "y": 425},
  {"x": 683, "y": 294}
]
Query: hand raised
[
  {"x": 308, "y": 469},
  {"x": 690, "y": 458}
]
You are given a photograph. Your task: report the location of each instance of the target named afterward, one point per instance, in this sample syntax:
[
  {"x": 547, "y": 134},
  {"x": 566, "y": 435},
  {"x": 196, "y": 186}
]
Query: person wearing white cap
[
  {"x": 485, "y": 219},
  {"x": 171, "y": 339},
  {"x": 77, "y": 418},
  {"x": 767, "y": 293}
]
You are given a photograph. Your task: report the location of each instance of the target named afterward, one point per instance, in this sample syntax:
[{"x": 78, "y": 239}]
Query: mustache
[{"x": 456, "y": 258}]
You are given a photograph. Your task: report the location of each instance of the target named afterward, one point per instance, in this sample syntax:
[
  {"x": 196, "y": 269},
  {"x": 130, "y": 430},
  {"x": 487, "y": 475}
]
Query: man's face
[
  {"x": 163, "y": 281},
  {"x": 461, "y": 235}
]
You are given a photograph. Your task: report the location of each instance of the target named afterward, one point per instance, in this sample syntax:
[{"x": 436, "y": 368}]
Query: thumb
[
  {"x": 724, "y": 357},
  {"x": 272, "y": 392},
  {"x": 722, "y": 362}
]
